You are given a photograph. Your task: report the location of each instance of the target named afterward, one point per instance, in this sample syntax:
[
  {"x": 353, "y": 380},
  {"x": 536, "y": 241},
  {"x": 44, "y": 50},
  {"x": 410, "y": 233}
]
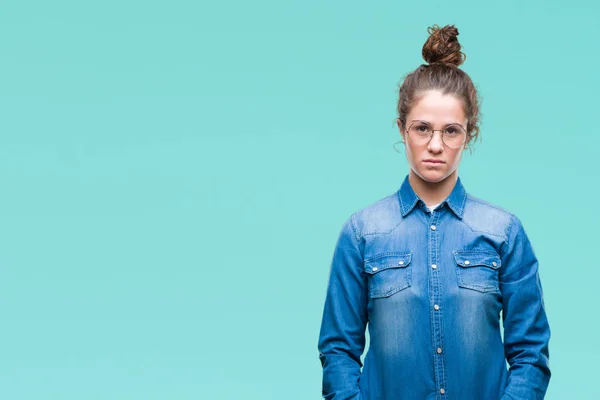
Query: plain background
[{"x": 174, "y": 176}]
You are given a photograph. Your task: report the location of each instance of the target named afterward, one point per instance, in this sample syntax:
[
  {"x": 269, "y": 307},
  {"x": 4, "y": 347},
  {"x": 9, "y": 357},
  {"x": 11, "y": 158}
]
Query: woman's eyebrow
[{"x": 429, "y": 123}]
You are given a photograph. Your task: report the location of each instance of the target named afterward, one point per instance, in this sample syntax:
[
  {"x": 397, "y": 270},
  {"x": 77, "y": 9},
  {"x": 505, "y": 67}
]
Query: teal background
[{"x": 174, "y": 176}]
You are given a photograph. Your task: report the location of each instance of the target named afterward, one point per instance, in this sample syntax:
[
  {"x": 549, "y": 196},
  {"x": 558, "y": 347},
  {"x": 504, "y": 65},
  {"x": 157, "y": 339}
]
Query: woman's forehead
[{"x": 435, "y": 107}]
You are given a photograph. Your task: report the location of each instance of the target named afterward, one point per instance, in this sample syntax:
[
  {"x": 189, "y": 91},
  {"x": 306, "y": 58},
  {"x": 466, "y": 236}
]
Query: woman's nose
[{"x": 436, "y": 143}]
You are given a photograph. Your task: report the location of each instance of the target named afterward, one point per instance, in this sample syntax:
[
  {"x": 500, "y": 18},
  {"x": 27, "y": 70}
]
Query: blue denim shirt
[{"x": 431, "y": 286}]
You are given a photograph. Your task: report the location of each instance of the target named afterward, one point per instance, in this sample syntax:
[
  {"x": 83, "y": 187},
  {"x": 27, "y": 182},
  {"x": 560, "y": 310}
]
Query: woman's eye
[{"x": 422, "y": 128}]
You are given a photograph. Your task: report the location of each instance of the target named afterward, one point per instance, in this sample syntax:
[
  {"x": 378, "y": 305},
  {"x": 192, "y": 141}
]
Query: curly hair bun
[{"x": 442, "y": 46}]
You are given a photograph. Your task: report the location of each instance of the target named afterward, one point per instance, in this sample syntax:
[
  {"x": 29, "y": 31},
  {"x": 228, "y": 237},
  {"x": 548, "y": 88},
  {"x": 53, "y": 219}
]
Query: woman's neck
[{"x": 432, "y": 192}]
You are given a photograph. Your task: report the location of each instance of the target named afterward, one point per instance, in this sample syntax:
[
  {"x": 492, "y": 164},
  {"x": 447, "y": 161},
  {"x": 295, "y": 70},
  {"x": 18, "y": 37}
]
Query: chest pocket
[
  {"x": 477, "y": 270},
  {"x": 388, "y": 273}
]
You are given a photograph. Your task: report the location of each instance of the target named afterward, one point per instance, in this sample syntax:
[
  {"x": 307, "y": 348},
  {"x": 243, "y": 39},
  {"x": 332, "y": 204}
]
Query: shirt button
[
  {"x": 433, "y": 227},
  {"x": 433, "y": 266},
  {"x": 401, "y": 263},
  {"x": 439, "y": 350},
  {"x": 494, "y": 263},
  {"x": 442, "y": 391},
  {"x": 436, "y": 307},
  {"x": 374, "y": 269},
  {"x": 467, "y": 262}
]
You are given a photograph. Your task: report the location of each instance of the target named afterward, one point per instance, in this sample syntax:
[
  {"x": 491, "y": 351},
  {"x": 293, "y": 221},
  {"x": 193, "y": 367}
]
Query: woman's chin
[{"x": 430, "y": 175}]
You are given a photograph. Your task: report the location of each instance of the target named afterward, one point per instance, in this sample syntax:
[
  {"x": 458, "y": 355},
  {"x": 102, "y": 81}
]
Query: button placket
[{"x": 435, "y": 298}]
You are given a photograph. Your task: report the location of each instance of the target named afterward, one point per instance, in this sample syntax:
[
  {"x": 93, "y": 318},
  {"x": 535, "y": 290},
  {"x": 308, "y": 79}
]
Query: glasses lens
[
  {"x": 419, "y": 133},
  {"x": 454, "y": 136}
]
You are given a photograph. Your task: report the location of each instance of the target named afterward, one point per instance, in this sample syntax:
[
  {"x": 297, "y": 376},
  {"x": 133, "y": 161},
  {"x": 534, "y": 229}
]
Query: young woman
[{"x": 430, "y": 267}]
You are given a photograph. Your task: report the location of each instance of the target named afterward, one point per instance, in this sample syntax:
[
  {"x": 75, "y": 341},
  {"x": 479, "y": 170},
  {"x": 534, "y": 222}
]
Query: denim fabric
[{"x": 431, "y": 286}]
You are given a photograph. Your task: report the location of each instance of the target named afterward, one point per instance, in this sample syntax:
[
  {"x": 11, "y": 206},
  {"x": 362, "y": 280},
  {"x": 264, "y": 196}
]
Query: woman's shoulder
[
  {"x": 478, "y": 202},
  {"x": 487, "y": 216},
  {"x": 379, "y": 216}
]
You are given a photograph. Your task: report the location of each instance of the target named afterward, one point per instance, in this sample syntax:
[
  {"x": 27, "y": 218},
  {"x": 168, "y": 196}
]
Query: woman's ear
[{"x": 400, "y": 128}]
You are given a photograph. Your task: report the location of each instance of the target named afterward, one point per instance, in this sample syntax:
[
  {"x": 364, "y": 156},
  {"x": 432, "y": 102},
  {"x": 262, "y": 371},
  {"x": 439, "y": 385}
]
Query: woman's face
[{"x": 439, "y": 110}]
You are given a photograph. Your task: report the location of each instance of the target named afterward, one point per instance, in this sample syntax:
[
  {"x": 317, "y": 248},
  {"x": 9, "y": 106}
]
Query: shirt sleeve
[
  {"x": 526, "y": 329},
  {"x": 342, "y": 335}
]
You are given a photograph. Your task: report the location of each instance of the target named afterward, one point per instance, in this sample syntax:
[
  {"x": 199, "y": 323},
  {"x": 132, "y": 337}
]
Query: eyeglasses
[{"x": 420, "y": 132}]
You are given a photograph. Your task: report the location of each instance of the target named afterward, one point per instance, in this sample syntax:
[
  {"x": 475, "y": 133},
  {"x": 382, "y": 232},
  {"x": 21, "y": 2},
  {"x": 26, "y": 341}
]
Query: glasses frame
[{"x": 432, "y": 131}]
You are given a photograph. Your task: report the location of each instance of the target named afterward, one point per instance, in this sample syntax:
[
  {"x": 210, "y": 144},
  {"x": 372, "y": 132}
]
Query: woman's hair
[{"x": 442, "y": 53}]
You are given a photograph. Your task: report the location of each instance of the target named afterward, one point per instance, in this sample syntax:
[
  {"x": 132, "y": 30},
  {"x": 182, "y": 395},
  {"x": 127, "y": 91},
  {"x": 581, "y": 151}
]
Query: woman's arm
[
  {"x": 342, "y": 336},
  {"x": 526, "y": 329}
]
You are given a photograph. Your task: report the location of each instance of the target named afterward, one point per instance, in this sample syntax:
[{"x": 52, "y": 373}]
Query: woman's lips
[{"x": 433, "y": 162}]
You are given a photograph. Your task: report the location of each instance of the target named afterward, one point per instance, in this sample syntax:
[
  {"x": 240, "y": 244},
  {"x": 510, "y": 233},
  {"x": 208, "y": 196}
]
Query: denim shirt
[{"x": 432, "y": 287}]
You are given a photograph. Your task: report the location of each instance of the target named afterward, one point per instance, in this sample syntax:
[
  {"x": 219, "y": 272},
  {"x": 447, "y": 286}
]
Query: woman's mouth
[{"x": 433, "y": 162}]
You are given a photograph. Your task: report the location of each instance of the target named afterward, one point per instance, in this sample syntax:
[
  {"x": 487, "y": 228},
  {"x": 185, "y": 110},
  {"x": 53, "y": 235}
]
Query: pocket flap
[
  {"x": 471, "y": 258},
  {"x": 384, "y": 261}
]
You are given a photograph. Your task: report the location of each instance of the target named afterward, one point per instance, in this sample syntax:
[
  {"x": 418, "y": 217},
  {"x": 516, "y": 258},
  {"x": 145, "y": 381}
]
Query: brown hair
[{"x": 442, "y": 52}]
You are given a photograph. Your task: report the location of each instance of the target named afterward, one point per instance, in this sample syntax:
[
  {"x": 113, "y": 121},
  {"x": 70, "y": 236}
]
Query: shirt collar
[{"x": 456, "y": 200}]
